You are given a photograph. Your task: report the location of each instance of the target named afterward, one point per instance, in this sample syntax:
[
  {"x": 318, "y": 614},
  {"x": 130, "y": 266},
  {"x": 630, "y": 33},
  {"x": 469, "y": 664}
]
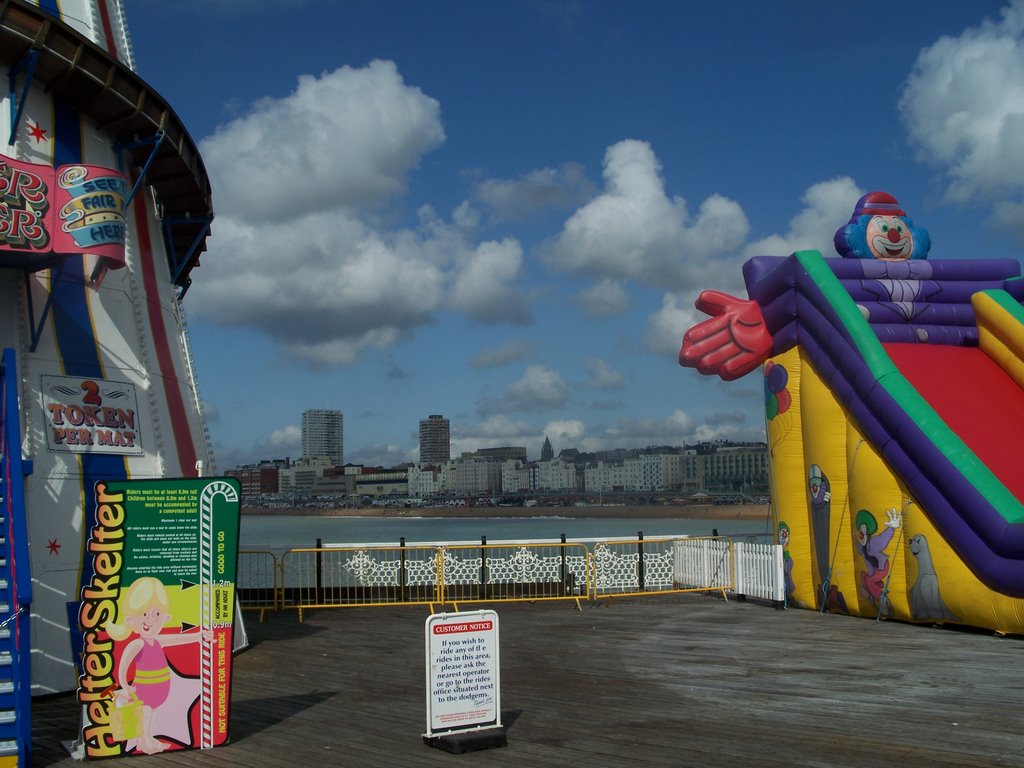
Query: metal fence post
[
  {"x": 319, "y": 570},
  {"x": 483, "y": 568},
  {"x": 640, "y": 561},
  {"x": 565, "y": 586},
  {"x": 402, "y": 593}
]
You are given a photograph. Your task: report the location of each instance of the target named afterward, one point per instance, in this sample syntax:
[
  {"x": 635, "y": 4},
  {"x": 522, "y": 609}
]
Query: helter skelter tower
[{"x": 104, "y": 212}]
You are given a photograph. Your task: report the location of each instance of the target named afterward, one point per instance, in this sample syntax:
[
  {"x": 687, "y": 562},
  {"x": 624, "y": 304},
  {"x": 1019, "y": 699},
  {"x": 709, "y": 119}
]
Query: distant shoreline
[{"x": 688, "y": 512}]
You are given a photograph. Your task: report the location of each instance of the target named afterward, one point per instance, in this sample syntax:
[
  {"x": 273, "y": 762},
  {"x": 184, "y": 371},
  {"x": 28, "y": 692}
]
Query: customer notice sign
[{"x": 463, "y": 681}]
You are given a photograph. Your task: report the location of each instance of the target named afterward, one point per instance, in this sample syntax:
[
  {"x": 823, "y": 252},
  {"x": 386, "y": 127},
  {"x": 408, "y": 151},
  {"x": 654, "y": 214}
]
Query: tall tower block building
[
  {"x": 323, "y": 435},
  {"x": 435, "y": 440}
]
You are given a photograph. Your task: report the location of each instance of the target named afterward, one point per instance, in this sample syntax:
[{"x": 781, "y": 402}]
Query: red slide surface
[{"x": 976, "y": 399}]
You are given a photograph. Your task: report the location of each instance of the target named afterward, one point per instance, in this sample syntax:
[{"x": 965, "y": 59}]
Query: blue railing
[{"x": 15, "y": 576}]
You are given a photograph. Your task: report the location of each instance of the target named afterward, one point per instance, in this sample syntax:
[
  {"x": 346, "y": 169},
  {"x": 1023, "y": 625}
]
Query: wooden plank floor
[{"x": 669, "y": 681}]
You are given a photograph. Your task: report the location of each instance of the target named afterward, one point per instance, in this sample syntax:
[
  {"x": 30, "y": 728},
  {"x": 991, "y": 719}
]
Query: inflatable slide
[{"x": 894, "y": 391}]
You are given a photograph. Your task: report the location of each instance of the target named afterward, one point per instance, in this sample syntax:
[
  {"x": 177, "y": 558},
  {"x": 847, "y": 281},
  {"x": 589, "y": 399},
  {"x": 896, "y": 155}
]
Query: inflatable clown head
[{"x": 880, "y": 229}]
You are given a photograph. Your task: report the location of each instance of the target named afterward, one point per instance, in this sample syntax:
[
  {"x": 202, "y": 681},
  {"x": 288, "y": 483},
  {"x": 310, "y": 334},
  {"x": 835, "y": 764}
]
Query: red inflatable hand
[{"x": 732, "y": 343}]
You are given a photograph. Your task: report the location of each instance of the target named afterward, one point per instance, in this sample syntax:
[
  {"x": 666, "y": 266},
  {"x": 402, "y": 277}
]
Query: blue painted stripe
[{"x": 77, "y": 349}]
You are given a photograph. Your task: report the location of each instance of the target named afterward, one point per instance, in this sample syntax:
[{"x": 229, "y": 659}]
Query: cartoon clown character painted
[{"x": 871, "y": 546}]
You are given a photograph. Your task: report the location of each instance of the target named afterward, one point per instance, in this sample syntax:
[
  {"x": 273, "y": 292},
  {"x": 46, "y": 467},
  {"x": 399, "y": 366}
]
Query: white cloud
[
  {"x": 634, "y": 231},
  {"x": 564, "y": 432},
  {"x": 484, "y": 286},
  {"x": 296, "y": 252},
  {"x": 827, "y": 206},
  {"x": 559, "y": 188},
  {"x": 675, "y": 429},
  {"x": 286, "y": 437},
  {"x": 604, "y": 299},
  {"x": 667, "y": 326},
  {"x": 540, "y": 388},
  {"x": 345, "y": 288},
  {"x": 495, "y": 430},
  {"x": 963, "y": 105},
  {"x": 602, "y": 375},
  {"x": 344, "y": 139},
  {"x": 389, "y": 455}
]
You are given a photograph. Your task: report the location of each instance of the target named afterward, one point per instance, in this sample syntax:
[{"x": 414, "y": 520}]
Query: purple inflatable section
[{"x": 811, "y": 301}]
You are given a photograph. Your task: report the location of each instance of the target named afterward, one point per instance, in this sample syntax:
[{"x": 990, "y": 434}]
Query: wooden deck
[{"x": 674, "y": 681}]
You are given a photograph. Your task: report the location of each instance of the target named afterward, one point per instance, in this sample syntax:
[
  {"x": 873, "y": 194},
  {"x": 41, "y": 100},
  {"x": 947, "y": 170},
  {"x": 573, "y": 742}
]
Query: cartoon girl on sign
[{"x": 165, "y": 696}]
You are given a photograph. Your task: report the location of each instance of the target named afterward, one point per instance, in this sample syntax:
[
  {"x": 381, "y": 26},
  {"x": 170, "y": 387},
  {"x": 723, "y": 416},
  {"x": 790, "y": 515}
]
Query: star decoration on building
[
  {"x": 38, "y": 133},
  {"x": 54, "y": 547}
]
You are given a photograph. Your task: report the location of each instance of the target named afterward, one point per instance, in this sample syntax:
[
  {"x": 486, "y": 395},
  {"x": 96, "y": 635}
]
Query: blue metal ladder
[{"x": 15, "y": 581}]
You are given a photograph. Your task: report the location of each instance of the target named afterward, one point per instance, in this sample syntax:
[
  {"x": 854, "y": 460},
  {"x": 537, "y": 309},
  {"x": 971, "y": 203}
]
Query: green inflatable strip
[
  {"x": 1006, "y": 303},
  {"x": 904, "y": 395}
]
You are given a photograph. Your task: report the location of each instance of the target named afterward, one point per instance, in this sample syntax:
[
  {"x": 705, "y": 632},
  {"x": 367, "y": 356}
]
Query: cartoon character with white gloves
[{"x": 872, "y": 548}]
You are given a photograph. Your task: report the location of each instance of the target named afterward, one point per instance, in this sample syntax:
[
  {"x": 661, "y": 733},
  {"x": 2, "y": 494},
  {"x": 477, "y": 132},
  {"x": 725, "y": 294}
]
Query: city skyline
[{"x": 503, "y": 212}]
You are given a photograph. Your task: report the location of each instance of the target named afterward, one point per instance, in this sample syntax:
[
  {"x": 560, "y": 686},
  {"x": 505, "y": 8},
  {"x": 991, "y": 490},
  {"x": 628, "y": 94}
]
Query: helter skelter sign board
[
  {"x": 463, "y": 680},
  {"x": 157, "y": 616}
]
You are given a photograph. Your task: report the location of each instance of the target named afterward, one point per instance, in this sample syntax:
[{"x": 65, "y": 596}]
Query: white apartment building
[
  {"x": 604, "y": 477},
  {"x": 556, "y": 475},
  {"x": 423, "y": 481},
  {"x": 516, "y": 477},
  {"x": 471, "y": 476}
]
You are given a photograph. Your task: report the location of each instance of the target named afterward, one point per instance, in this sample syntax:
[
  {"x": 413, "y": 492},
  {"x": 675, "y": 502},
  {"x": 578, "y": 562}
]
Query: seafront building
[
  {"x": 435, "y": 440},
  {"x": 323, "y": 435},
  {"x": 723, "y": 469}
]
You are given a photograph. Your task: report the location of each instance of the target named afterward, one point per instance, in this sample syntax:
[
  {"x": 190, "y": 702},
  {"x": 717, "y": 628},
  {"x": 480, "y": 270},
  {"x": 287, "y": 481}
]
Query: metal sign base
[{"x": 468, "y": 741}]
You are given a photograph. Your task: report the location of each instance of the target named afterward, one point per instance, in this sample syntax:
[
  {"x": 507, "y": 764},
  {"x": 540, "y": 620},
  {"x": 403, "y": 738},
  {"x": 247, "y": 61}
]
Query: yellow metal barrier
[
  {"x": 337, "y": 577},
  {"x": 626, "y": 567},
  {"x": 256, "y": 583},
  {"x": 473, "y": 573}
]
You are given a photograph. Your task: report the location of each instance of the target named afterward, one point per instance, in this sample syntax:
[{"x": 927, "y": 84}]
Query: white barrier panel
[{"x": 759, "y": 571}]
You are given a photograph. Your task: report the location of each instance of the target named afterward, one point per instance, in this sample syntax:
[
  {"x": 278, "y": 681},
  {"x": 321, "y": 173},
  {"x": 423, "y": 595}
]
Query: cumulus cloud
[
  {"x": 963, "y": 106},
  {"x": 665, "y": 327},
  {"x": 540, "y": 388},
  {"x": 604, "y": 299},
  {"x": 675, "y": 429},
  {"x": 297, "y": 253},
  {"x": 633, "y": 230},
  {"x": 602, "y": 376},
  {"x": 484, "y": 287},
  {"x": 826, "y": 207},
  {"x": 564, "y": 432},
  {"x": 559, "y": 188},
  {"x": 503, "y": 354},
  {"x": 345, "y": 139},
  {"x": 389, "y": 455},
  {"x": 287, "y": 437},
  {"x": 724, "y": 418},
  {"x": 341, "y": 290},
  {"x": 495, "y": 430}
]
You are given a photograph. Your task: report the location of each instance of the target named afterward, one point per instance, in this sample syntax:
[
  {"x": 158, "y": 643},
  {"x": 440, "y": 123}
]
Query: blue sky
[{"x": 502, "y": 212}]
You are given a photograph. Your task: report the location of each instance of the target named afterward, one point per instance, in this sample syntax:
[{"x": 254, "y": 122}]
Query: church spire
[{"x": 547, "y": 453}]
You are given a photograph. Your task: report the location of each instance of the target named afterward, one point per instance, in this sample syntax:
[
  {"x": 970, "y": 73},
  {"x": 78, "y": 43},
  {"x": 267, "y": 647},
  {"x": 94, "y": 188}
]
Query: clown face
[
  {"x": 889, "y": 238},
  {"x": 862, "y": 534}
]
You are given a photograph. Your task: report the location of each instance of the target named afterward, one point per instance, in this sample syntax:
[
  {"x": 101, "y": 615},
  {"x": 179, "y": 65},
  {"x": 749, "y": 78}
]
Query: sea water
[{"x": 281, "y": 532}]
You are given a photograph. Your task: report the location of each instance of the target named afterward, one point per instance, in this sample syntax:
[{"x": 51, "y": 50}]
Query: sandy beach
[{"x": 693, "y": 511}]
